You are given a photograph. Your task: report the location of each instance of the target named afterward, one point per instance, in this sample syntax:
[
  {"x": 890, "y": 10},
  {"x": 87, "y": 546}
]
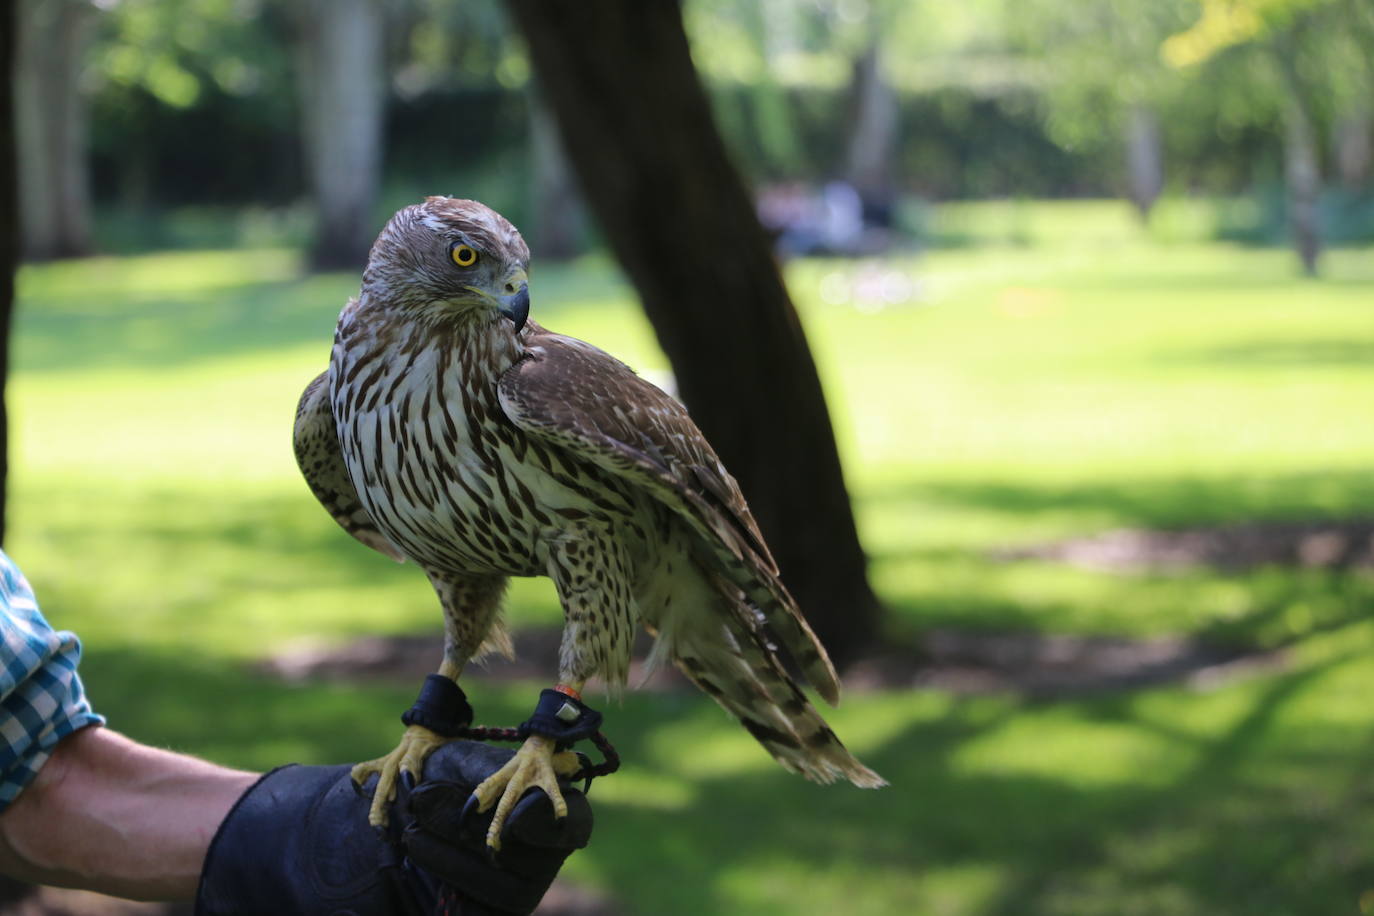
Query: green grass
[{"x": 1068, "y": 374}]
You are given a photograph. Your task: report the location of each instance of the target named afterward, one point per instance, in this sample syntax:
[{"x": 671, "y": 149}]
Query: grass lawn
[{"x": 1067, "y": 375}]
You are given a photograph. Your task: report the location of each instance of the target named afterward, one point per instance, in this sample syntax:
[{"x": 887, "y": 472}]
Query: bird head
[{"x": 450, "y": 260}]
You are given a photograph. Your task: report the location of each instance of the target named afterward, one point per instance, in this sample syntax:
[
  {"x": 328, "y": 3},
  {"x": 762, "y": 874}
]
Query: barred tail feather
[
  {"x": 745, "y": 678},
  {"x": 762, "y": 589},
  {"x": 785, "y": 619}
]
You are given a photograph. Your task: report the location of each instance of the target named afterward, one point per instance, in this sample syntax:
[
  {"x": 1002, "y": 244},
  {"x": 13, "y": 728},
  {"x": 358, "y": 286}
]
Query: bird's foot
[
  {"x": 535, "y": 764},
  {"x": 417, "y": 743}
]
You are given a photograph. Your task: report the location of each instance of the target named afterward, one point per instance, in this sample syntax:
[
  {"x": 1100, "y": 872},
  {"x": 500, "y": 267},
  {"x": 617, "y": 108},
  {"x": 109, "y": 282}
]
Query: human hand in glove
[{"x": 298, "y": 842}]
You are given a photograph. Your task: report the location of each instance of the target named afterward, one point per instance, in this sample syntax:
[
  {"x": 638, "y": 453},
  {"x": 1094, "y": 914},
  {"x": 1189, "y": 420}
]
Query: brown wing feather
[
  {"x": 317, "y": 453},
  {"x": 569, "y": 392}
]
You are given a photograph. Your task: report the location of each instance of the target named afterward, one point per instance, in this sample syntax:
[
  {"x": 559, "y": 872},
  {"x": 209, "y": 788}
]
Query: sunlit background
[{"x": 1090, "y": 286}]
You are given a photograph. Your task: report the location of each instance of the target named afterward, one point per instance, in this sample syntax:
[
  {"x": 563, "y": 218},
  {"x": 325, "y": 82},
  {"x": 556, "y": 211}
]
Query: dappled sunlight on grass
[
  {"x": 656, "y": 792},
  {"x": 195, "y": 274},
  {"x": 1033, "y": 805},
  {"x": 1136, "y": 370},
  {"x": 1100, "y": 754},
  {"x": 701, "y": 748},
  {"x": 933, "y": 544}
]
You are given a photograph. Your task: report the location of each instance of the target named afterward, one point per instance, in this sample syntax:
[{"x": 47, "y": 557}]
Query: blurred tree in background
[
  {"x": 915, "y": 100},
  {"x": 1109, "y": 86},
  {"x": 9, "y": 228},
  {"x": 193, "y": 102},
  {"x": 1313, "y": 57},
  {"x": 51, "y": 122},
  {"x": 342, "y": 98},
  {"x": 192, "y": 105}
]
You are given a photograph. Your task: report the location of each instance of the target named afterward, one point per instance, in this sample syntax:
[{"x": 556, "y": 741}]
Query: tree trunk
[
  {"x": 873, "y": 139},
  {"x": 1144, "y": 158},
  {"x": 1354, "y": 146},
  {"x": 9, "y": 227},
  {"x": 55, "y": 193},
  {"x": 342, "y": 97},
  {"x": 1301, "y": 168},
  {"x": 638, "y": 130},
  {"x": 555, "y": 207},
  {"x": 1303, "y": 177}
]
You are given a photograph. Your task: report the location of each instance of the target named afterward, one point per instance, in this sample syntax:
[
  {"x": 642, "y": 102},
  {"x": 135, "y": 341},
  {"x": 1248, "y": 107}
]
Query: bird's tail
[{"x": 736, "y": 667}]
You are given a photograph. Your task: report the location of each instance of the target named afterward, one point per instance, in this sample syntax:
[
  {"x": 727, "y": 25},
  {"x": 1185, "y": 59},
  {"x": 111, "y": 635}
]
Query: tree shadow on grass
[
  {"x": 1154, "y": 502},
  {"x": 165, "y": 332},
  {"x": 1234, "y": 612},
  {"x": 1239, "y": 832},
  {"x": 1266, "y": 815},
  {"x": 1311, "y": 353},
  {"x": 170, "y": 526},
  {"x": 985, "y": 585},
  {"x": 1257, "y": 825},
  {"x": 198, "y": 703}
]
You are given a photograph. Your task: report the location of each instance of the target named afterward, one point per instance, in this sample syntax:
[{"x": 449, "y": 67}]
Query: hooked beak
[{"x": 515, "y": 305}]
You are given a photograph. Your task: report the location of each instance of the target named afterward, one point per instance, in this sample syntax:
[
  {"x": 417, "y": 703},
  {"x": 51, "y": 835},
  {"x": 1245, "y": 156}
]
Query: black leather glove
[{"x": 298, "y": 842}]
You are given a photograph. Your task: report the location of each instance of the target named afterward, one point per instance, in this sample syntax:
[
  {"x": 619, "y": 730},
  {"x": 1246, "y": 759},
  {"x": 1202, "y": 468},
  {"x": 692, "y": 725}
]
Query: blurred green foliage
[
  {"x": 1059, "y": 372},
  {"x": 195, "y": 101}
]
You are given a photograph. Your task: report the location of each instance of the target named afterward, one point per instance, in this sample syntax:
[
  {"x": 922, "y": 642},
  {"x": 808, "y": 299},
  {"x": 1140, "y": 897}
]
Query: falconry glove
[{"x": 298, "y": 842}]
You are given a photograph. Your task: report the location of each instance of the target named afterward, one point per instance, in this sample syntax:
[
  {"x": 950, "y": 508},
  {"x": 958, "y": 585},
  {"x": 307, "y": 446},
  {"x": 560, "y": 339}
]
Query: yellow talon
[
  {"x": 535, "y": 764},
  {"x": 417, "y": 743}
]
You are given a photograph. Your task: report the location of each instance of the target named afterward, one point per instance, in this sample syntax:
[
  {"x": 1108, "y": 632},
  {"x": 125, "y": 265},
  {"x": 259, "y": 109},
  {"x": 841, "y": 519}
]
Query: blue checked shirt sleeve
[{"x": 41, "y": 700}]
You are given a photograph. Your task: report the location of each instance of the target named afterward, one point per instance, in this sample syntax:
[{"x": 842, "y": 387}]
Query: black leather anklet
[
  {"x": 441, "y": 707},
  {"x": 562, "y": 718}
]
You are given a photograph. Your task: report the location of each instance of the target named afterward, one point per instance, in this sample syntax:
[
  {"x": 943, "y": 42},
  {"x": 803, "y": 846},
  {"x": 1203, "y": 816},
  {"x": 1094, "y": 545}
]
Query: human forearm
[{"x": 110, "y": 815}]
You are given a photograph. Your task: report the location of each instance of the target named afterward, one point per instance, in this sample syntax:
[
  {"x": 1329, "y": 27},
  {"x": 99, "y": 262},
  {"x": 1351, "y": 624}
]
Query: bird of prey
[{"x": 452, "y": 432}]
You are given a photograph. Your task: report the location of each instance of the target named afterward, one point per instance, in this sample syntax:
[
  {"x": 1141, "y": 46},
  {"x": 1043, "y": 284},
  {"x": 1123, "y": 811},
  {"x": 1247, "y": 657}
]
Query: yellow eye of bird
[{"x": 464, "y": 255}]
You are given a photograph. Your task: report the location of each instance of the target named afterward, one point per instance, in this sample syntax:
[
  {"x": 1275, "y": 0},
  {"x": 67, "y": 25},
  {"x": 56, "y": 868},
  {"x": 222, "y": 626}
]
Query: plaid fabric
[{"x": 41, "y": 700}]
